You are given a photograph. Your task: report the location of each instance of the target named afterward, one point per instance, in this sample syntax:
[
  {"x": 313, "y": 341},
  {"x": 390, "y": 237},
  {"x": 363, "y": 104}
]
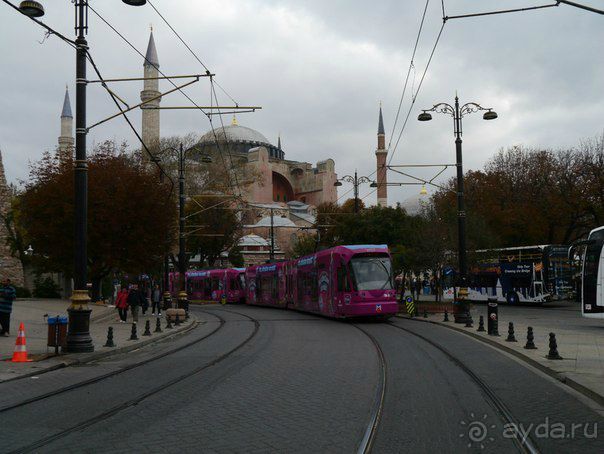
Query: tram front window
[{"x": 372, "y": 273}]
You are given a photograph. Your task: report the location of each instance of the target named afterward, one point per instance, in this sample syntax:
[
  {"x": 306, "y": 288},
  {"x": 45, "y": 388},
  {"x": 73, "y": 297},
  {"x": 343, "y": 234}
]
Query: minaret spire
[
  {"x": 381, "y": 154},
  {"x": 279, "y": 142},
  {"x": 150, "y": 124},
  {"x": 66, "y": 140}
]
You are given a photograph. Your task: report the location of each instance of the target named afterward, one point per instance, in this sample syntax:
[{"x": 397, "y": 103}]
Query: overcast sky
[{"x": 319, "y": 69}]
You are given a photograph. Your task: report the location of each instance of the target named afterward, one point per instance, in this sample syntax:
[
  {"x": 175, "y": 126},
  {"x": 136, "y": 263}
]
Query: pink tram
[
  {"x": 341, "y": 282},
  {"x": 212, "y": 286}
]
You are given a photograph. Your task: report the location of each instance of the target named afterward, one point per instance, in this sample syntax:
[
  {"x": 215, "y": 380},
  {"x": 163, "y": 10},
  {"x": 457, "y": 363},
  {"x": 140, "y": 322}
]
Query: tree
[
  {"x": 131, "y": 217},
  {"x": 527, "y": 196}
]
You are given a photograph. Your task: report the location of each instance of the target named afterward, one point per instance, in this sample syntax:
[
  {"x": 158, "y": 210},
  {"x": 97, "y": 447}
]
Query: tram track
[
  {"x": 114, "y": 373},
  {"x": 525, "y": 445},
  {"x": 370, "y": 434},
  {"x": 141, "y": 397}
]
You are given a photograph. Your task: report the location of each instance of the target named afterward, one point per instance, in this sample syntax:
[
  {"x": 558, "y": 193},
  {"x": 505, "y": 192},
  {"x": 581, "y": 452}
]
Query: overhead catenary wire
[
  {"x": 411, "y": 65},
  {"x": 189, "y": 49},
  {"x": 114, "y": 29},
  {"x": 414, "y": 98},
  {"x": 113, "y": 97}
]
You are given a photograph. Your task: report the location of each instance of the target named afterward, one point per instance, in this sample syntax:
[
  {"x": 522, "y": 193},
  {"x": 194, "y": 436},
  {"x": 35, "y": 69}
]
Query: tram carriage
[
  {"x": 212, "y": 286},
  {"x": 341, "y": 282}
]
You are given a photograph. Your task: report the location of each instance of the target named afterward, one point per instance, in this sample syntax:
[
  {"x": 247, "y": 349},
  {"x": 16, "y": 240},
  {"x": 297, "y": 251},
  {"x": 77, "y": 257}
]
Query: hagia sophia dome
[{"x": 240, "y": 139}]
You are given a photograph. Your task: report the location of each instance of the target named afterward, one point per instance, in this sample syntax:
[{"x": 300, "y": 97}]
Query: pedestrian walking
[
  {"x": 121, "y": 302},
  {"x": 7, "y": 296},
  {"x": 156, "y": 301},
  {"x": 134, "y": 301},
  {"x": 144, "y": 297}
]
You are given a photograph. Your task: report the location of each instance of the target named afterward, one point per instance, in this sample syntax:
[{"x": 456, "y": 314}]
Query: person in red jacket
[{"x": 121, "y": 302}]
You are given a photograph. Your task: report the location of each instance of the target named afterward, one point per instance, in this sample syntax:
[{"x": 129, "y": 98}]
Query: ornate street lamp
[
  {"x": 356, "y": 181},
  {"x": 462, "y": 315}
]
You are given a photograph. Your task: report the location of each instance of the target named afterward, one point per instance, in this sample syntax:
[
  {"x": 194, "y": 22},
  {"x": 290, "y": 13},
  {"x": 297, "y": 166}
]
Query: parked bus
[
  {"x": 527, "y": 274},
  {"x": 592, "y": 297}
]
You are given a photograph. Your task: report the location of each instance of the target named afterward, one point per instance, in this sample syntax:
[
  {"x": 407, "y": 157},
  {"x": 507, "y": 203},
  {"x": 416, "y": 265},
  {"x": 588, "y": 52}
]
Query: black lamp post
[
  {"x": 182, "y": 254},
  {"x": 356, "y": 181},
  {"x": 78, "y": 335},
  {"x": 457, "y": 112}
]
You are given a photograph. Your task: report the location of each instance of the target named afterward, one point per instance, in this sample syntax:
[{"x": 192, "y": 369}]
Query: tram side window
[
  {"x": 314, "y": 286},
  {"x": 258, "y": 286},
  {"x": 301, "y": 285},
  {"x": 207, "y": 287},
  {"x": 343, "y": 284},
  {"x": 215, "y": 283},
  {"x": 234, "y": 284},
  {"x": 275, "y": 287}
]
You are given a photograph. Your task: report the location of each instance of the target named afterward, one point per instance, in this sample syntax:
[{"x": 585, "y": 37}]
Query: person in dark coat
[
  {"x": 134, "y": 300},
  {"x": 7, "y": 296}
]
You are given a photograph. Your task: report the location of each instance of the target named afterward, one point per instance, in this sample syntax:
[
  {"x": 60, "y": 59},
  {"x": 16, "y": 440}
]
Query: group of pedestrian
[
  {"x": 7, "y": 296},
  {"x": 134, "y": 298}
]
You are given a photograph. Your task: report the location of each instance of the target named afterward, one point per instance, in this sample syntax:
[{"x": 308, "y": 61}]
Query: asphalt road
[{"x": 254, "y": 379}]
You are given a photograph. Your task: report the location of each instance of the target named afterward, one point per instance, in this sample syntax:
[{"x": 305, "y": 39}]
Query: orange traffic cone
[{"x": 20, "y": 353}]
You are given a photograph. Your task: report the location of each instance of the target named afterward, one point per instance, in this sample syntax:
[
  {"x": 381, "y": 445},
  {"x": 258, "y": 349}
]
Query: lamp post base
[
  {"x": 461, "y": 312},
  {"x": 167, "y": 301},
  {"x": 78, "y": 333},
  {"x": 183, "y": 302}
]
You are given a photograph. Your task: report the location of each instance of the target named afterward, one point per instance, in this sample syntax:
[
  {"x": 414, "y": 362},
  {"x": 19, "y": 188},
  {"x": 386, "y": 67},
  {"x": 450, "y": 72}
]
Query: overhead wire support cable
[
  {"x": 209, "y": 117},
  {"x": 417, "y": 92},
  {"x": 188, "y": 47},
  {"x": 123, "y": 113},
  {"x": 400, "y": 104},
  {"x": 506, "y": 11},
  {"x": 141, "y": 54}
]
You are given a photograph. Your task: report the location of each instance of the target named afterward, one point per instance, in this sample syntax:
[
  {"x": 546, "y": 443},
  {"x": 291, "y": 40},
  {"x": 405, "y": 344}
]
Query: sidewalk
[
  {"x": 31, "y": 313},
  {"x": 580, "y": 343}
]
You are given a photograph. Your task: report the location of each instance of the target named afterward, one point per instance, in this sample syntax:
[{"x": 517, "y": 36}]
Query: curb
[
  {"x": 102, "y": 354},
  {"x": 587, "y": 392}
]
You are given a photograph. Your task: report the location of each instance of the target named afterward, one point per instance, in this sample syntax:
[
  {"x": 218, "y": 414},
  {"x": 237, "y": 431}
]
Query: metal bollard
[
  {"x": 530, "y": 339},
  {"x": 511, "y": 336},
  {"x": 133, "y": 335},
  {"x": 168, "y": 322},
  {"x": 492, "y": 322},
  {"x": 553, "y": 348},
  {"x": 425, "y": 313},
  {"x": 147, "y": 329},
  {"x": 109, "y": 342},
  {"x": 481, "y": 324},
  {"x": 157, "y": 326},
  {"x": 446, "y": 319},
  {"x": 177, "y": 321}
]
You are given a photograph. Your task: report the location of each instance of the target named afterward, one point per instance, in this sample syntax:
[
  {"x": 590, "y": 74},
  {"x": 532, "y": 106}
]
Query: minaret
[
  {"x": 150, "y": 124},
  {"x": 380, "y": 154},
  {"x": 66, "y": 140}
]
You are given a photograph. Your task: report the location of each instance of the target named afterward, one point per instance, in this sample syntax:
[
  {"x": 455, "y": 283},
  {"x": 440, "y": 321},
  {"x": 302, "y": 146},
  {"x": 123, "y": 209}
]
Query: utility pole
[{"x": 272, "y": 251}]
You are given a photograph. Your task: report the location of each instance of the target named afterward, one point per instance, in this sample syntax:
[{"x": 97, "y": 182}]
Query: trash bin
[{"x": 57, "y": 332}]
